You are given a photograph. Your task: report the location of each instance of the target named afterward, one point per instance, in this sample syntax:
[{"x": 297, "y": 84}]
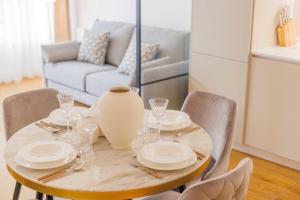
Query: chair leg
[
  {"x": 39, "y": 196},
  {"x": 49, "y": 197},
  {"x": 17, "y": 191},
  {"x": 182, "y": 188}
]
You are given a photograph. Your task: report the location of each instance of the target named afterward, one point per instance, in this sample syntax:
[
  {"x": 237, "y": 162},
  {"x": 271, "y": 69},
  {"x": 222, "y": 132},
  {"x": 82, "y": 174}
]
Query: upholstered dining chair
[
  {"x": 216, "y": 115},
  {"x": 24, "y": 108},
  {"x": 229, "y": 186}
]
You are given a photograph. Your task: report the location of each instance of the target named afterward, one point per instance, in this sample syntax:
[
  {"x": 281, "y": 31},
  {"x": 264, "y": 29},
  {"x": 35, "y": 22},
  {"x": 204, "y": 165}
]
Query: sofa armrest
[
  {"x": 164, "y": 72},
  {"x": 60, "y": 51}
]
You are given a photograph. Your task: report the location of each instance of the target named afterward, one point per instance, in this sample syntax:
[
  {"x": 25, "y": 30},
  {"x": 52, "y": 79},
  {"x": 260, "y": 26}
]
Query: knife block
[{"x": 286, "y": 34}]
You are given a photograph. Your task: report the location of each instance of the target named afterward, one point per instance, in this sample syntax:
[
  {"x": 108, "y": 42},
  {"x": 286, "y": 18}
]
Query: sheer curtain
[{"x": 24, "y": 26}]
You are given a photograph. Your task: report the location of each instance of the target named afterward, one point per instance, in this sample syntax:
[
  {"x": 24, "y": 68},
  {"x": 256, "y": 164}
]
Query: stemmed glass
[
  {"x": 90, "y": 129},
  {"x": 158, "y": 107},
  {"x": 66, "y": 102},
  {"x": 135, "y": 89}
]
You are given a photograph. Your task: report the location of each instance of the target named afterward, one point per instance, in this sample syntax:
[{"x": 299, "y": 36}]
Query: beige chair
[
  {"x": 24, "y": 108},
  {"x": 216, "y": 115},
  {"x": 232, "y": 185}
]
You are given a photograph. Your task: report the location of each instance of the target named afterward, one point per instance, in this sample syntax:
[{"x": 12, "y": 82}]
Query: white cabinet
[
  {"x": 220, "y": 49},
  {"x": 222, "y": 28},
  {"x": 273, "y": 122},
  {"x": 267, "y": 92},
  {"x": 223, "y": 77}
]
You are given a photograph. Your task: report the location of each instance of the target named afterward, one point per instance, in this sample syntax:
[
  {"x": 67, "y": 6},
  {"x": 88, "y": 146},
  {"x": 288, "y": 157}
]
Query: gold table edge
[{"x": 121, "y": 194}]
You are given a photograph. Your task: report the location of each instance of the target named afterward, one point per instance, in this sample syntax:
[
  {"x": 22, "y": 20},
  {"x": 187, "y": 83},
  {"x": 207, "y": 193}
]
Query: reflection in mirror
[
  {"x": 165, "y": 27},
  {"x": 165, "y": 50}
]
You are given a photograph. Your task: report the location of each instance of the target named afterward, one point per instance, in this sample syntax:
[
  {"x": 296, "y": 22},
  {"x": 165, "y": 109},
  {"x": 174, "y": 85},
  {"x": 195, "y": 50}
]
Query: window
[{"x": 1, "y": 13}]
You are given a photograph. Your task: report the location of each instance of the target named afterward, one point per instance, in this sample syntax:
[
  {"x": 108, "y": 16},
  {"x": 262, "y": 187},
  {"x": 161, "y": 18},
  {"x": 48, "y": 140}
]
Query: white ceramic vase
[{"x": 121, "y": 116}]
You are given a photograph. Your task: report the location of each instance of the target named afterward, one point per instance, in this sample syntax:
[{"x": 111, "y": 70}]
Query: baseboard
[{"x": 268, "y": 156}]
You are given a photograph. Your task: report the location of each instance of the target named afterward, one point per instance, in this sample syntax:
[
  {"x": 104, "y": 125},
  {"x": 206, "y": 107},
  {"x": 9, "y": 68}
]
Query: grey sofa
[{"x": 166, "y": 76}]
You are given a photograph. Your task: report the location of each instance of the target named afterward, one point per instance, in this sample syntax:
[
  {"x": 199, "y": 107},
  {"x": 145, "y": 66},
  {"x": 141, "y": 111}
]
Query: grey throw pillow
[
  {"x": 128, "y": 64},
  {"x": 93, "y": 47}
]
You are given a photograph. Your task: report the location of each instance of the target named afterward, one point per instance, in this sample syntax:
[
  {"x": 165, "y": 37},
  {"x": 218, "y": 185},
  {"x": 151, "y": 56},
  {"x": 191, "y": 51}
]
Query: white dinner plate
[
  {"x": 45, "y": 151},
  {"x": 166, "y": 153},
  {"x": 156, "y": 166},
  {"x": 50, "y": 165},
  {"x": 57, "y": 116},
  {"x": 173, "y": 120}
]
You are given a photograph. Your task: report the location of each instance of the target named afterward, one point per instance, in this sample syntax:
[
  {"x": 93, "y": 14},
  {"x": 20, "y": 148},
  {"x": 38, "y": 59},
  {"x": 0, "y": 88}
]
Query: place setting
[{"x": 166, "y": 153}]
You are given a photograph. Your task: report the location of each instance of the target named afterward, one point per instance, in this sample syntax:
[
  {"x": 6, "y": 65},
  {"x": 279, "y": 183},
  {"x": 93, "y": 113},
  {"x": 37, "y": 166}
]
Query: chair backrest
[
  {"x": 216, "y": 115},
  {"x": 24, "y": 108},
  {"x": 232, "y": 185}
]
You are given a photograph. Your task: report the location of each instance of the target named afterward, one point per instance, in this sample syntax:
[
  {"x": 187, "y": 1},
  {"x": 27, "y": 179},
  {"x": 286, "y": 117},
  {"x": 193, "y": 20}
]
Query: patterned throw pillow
[
  {"x": 128, "y": 64},
  {"x": 93, "y": 47}
]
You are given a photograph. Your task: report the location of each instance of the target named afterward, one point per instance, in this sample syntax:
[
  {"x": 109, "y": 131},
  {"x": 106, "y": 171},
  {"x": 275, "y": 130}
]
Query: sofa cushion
[
  {"x": 172, "y": 43},
  {"x": 120, "y": 36},
  {"x": 128, "y": 64},
  {"x": 93, "y": 47},
  {"x": 100, "y": 82},
  {"x": 72, "y": 73}
]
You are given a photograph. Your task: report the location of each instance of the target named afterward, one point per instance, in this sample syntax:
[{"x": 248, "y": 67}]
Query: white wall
[{"x": 175, "y": 14}]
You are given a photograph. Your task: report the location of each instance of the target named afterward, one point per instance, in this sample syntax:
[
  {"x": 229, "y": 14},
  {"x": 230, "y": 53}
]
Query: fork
[
  {"x": 47, "y": 128},
  {"x": 186, "y": 132},
  {"x": 145, "y": 169},
  {"x": 52, "y": 125},
  {"x": 200, "y": 156},
  {"x": 74, "y": 168}
]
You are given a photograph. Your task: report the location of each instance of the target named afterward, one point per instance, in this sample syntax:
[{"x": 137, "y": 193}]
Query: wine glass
[
  {"x": 150, "y": 135},
  {"x": 66, "y": 102},
  {"x": 158, "y": 107},
  {"x": 135, "y": 89},
  {"x": 90, "y": 129}
]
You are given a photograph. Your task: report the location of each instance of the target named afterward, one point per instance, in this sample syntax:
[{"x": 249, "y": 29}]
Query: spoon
[{"x": 74, "y": 168}]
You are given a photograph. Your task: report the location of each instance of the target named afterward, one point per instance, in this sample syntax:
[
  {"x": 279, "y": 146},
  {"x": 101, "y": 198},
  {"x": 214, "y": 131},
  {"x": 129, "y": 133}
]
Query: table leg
[
  {"x": 17, "y": 191},
  {"x": 39, "y": 196},
  {"x": 49, "y": 197},
  {"x": 182, "y": 188}
]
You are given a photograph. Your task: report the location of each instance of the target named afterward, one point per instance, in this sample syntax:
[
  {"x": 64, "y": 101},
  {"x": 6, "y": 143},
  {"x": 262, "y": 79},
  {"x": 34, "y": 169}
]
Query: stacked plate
[
  {"x": 166, "y": 156},
  {"x": 59, "y": 117},
  {"x": 173, "y": 120},
  {"x": 45, "y": 155}
]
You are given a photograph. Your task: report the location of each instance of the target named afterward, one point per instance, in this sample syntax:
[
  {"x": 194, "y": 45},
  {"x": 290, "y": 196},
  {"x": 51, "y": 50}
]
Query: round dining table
[{"x": 108, "y": 173}]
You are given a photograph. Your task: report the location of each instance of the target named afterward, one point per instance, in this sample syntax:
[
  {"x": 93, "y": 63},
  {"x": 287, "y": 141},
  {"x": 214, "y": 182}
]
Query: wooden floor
[{"x": 269, "y": 181}]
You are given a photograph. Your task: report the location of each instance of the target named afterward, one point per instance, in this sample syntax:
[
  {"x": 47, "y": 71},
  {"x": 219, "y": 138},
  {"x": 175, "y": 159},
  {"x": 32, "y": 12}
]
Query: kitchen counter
[{"x": 286, "y": 54}]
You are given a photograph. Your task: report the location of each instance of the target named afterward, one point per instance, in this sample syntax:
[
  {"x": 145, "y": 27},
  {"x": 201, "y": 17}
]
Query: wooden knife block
[{"x": 286, "y": 34}]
